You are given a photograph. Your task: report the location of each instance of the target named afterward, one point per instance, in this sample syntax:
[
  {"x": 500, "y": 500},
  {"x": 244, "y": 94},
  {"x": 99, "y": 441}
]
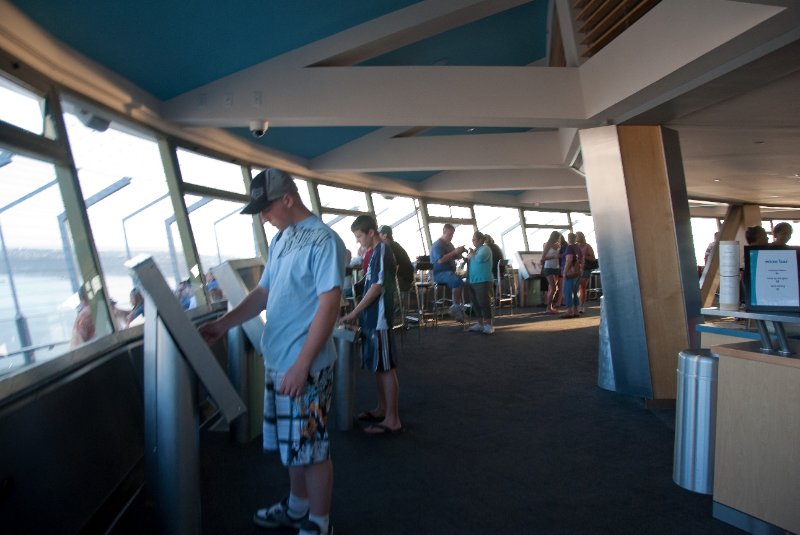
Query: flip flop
[
  {"x": 368, "y": 416},
  {"x": 384, "y": 430}
]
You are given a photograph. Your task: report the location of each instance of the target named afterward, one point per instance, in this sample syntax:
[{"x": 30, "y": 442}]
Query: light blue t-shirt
[
  {"x": 480, "y": 265},
  {"x": 305, "y": 260},
  {"x": 438, "y": 250}
]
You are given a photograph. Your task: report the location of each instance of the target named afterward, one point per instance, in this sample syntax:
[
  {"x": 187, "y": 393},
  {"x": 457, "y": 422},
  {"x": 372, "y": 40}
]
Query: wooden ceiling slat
[
  {"x": 589, "y": 7},
  {"x": 611, "y": 19},
  {"x": 611, "y": 9},
  {"x": 629, "y": 18}
]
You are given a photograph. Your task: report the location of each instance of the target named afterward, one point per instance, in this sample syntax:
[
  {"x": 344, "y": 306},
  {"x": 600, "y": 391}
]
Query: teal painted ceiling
[{"x": 169, "y": 47}]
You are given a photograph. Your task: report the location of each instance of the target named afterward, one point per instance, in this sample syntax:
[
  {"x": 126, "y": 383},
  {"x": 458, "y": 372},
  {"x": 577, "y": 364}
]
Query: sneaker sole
[{"x": 263, "y": 523}]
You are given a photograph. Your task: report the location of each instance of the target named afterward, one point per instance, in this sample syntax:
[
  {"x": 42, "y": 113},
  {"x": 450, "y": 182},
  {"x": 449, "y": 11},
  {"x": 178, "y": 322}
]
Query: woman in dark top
[{"x": 497, "y": 255}]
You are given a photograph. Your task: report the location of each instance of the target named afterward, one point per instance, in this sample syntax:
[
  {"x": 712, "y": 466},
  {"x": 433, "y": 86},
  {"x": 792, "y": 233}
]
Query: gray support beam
[
  {"x": 259, "y": 236},
  {"x": 634, "y": 177},
  {"x": 172, "y": 171},
  {"x": 423, "y": 212},
  {"x": 75, "y": 209}
]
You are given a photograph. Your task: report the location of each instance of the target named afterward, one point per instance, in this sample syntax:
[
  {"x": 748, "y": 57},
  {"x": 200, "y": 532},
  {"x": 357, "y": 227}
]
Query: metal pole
[{"x": 174, "y": 450}]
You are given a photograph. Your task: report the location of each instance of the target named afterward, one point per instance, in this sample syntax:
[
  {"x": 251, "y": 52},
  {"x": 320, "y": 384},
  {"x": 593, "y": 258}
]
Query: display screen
[{"x": 771, "y": 278}]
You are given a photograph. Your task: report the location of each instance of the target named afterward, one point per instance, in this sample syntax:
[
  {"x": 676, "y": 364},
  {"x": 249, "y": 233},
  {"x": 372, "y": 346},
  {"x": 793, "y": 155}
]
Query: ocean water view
[{"x": 48, "y": 303}]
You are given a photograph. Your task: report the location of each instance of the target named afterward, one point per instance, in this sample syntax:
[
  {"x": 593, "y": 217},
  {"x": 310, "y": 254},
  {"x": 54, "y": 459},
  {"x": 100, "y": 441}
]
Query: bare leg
[
  {"x": 559, "y": 300},
  {"x": 582, "y": 293},
  {"x": 391, "y": 392},
  {"x": 381, "y": 408},
  {"x": 551, "y": 292}
]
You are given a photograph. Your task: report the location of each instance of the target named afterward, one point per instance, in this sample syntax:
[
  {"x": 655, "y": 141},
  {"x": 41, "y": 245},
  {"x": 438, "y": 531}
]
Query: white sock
[
  {"x": 321, "y": 521},
  {"x": 298, "y": 507}
]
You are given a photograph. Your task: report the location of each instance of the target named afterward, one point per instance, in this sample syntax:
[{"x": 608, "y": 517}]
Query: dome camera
[{"x": 259, "y": 128}]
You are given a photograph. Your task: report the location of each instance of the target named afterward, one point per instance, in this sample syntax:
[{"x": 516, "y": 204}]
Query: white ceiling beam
[
  {"x": 392, "y": 96},
  {"x": 677, "y": 46},
  {"x": 375, "y": 153},
  {"x": 503, "y": 179},
  {"x": 549, "y": 196}
]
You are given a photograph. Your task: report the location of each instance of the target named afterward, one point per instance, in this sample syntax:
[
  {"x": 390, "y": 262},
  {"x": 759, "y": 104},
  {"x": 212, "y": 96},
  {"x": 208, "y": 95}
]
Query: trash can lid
[{"x": 698, "y": 362}]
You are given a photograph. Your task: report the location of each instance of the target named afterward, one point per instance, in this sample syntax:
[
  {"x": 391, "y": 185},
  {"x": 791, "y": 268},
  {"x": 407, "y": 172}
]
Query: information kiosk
[
  {"x": 530, "y": 273},
  {"x": 175, "y": 357},
  {"x": 245, "y": 366}
]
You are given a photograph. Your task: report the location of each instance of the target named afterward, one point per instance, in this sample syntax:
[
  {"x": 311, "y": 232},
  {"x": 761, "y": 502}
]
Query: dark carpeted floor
[{"x": 504, "y": 434}]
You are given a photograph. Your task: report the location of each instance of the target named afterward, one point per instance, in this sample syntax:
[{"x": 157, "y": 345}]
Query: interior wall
[{"x": 68, "y": 444}]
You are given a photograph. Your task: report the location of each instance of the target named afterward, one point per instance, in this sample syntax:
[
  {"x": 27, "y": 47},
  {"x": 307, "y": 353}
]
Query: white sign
[{"x": 773, "y": 278}]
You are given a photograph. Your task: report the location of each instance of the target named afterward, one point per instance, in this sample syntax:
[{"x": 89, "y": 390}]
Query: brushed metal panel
[{"x": 605, "y": 182}]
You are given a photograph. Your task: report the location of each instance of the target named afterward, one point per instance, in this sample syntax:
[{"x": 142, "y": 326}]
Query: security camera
[{"x": 259, "y": 128}]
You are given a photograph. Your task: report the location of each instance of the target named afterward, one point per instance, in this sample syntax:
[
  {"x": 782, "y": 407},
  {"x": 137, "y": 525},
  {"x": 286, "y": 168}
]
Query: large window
[
  {"x": 402, "y": 214},
  {"x": 539, "y": 225},
  {"x": 210, "y": 172},
  {"x": 703, "y": 230},
  {"x": 38, "y": 277},
  {"x": 126, "y": 197},
  {"x": 504, "y": 226},
  {"x": 448, "y": 211},
  {"x": 584, "y": 223},
  {"x": 220, "y": 231},
  {"x": 342, "y": 198},
  {"x": 21, "y": 107},
  {"x": 123, "y": 185},
  {"x": 340, "y": 207},
  {"x": 341, "y": 225}
]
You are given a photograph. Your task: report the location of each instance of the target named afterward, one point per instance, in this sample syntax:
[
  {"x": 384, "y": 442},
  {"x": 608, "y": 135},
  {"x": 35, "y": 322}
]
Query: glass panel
[
  {"x": 343, "y": 199},
  {"x": 38, "y": 278},
  {"x": 302, "y": 190},
  {"x": 401, "y": 214},
  {"x": 535, "y": 217},
  {"x": 584, "y": 223},
  {"x": 123, "y": 183},
  {"x": 450, "y": 211},
  {"x": 503, "y": 225},
  {"x": 221, "y": 232},
  {"x": 537, "y": 237},
  {"x": 210, "y": 172},
  {"x": 21, "y": 107},
  {"x": 703, "y": 229},
  {"x": 341, "y": 225}
]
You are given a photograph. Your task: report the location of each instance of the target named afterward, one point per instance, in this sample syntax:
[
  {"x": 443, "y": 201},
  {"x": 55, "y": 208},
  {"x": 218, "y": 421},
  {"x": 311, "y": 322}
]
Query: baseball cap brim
[{"x": 255, "y": 207}]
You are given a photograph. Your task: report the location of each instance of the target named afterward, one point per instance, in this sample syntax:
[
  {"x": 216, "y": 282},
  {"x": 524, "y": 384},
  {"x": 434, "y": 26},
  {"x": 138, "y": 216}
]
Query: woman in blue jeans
[{"x": 573, "y": 266}]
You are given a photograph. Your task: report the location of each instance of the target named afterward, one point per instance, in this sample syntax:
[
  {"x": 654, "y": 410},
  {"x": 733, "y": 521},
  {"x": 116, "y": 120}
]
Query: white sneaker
[
  {"x": 488, "y": 329},
  {"x": 477, "y": 328}
]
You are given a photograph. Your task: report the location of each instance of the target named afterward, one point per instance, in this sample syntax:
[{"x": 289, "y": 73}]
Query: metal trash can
[
  {"x": 344, "y": 377},
  {"x": 695, "y": 420}
]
